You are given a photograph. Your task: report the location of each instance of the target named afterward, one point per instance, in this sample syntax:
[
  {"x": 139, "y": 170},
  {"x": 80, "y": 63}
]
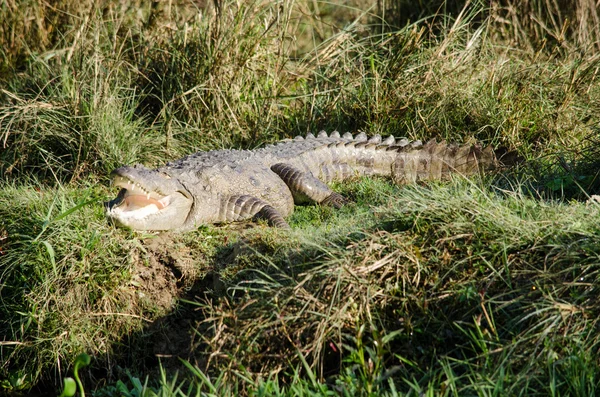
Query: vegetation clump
[{"x": 481, "y": 286}]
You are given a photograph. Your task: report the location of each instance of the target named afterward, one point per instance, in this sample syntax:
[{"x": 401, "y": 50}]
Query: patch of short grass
[
  {"x": 464, "y": 289},
  {"x": 71, "y": 282}
]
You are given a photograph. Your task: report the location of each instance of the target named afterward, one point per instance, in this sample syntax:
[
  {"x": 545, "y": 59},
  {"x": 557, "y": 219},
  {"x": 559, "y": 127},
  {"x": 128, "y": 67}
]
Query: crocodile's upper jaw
[{"x": 139, "y": 208}]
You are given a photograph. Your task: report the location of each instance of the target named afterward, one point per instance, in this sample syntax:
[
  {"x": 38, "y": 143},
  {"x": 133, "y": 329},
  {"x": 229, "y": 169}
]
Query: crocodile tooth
[
  {"x": 165, "y": 201},
  {"x": 322, "y": 134},
  {"x": 375, "y": 139},
  {"x": 361, "y": 137},
  {"x": 334, "y": 134},
  {"x": 299, "y": 138},
  {"x": 310, "y": 136},
  {"x": 347, "y": 135},
  {"x": 417, "y": 143}
]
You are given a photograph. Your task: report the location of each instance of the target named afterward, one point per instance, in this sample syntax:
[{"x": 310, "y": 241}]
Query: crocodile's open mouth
[
  {"x": 134, "y": 201},
  {"x": 148, "y": 200}
]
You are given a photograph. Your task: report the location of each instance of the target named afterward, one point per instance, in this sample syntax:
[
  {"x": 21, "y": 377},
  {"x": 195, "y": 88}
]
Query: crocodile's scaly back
[{"x": 234, "y": 185}]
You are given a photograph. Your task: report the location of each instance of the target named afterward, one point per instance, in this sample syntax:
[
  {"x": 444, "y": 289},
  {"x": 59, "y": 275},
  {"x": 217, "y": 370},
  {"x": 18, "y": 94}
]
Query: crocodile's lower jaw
[
  {"x": 150, "y": 216},
  {"x": 126, "y": 212}
]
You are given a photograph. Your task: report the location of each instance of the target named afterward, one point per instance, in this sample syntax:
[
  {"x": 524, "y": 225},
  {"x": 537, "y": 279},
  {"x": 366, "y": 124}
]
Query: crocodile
[{"x": 222, "y": 186}]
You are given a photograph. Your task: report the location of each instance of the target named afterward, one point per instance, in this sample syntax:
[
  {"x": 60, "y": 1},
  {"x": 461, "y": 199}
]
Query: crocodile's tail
[
  {"x": 339, "y": 157},
  {"x": 438, "y": 160}
]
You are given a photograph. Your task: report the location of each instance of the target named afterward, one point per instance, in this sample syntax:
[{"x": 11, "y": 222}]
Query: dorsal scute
[
  {"x": 402, "y": 141},
  {"x": 389, "y": 140},
  {"x": 375, "y": 139},
  {"x": 361, "y": 137}
]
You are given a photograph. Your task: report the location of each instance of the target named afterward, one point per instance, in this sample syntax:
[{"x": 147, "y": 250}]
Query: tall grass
[
  {"x": 72, "y": 109},
  {"x": 558, "y": 27},
  {"x": 117, "y": 88}
]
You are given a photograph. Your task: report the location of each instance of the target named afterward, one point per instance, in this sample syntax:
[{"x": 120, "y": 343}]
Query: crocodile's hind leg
[
  {"x": 306, "y": 188},
  {"x": 244, "y": 207}
]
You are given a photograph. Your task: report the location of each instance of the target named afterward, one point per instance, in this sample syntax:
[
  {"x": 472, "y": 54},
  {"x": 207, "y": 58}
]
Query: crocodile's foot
[{"x": 336, "y": 200}]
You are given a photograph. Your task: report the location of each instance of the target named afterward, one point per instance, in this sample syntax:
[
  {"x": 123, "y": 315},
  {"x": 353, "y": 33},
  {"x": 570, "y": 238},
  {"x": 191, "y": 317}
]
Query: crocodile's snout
[{"x": 142, "y": 205}]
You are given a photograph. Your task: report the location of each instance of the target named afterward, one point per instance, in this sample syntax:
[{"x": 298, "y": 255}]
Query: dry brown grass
[{"x": 544, "y": 26}]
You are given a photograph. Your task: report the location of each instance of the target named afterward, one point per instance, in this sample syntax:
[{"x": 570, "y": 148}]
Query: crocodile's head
[{"x": 148, "y": 200}]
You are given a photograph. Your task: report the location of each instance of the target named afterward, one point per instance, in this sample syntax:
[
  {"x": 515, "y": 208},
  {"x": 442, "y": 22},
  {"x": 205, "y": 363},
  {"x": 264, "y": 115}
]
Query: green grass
[{"x": 470, "y": 287}]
